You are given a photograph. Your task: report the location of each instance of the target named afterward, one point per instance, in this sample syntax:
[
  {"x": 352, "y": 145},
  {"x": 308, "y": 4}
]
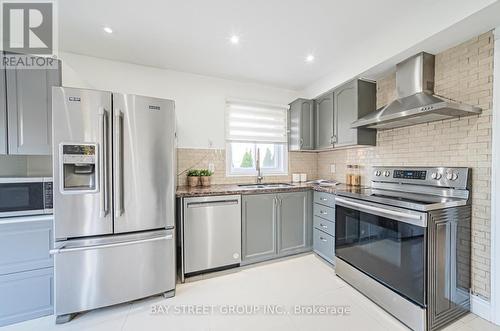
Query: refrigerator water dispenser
[{"x": 78, "y": 168}]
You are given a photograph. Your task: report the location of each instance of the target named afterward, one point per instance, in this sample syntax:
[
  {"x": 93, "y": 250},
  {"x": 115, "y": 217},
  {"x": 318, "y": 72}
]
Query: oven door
[
  {"x": 21, "y": 198},
  {"x": 386, "y": 243}
]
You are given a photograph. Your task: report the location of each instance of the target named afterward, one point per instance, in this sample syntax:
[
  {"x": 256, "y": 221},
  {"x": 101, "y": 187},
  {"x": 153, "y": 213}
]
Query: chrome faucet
[{"x": 257, "y": 167}]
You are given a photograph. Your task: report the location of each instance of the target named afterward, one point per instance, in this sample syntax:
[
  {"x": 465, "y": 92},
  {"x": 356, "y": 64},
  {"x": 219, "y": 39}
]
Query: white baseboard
[{"x": 480, "y": 307}]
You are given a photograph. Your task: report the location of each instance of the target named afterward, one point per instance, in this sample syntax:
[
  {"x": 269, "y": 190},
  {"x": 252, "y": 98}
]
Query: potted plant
[
  {"x": 205, "y": 176},
  {"x": 193, "y": 177}
]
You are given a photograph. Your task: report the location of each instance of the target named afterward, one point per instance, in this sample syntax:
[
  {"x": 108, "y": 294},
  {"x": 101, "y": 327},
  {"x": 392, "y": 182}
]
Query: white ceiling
[{"x": 275, "y": 35}]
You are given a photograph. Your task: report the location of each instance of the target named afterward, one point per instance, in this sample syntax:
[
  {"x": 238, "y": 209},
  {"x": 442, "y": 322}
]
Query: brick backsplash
[
  {"x": 463, "y": 73},
  {"x": 200, "y": 158}
]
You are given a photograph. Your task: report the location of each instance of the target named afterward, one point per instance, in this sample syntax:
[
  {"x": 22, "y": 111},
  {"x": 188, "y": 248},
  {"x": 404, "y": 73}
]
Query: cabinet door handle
[
  {"x": 323, "y": 239},
  {"x": 301, "y": 142},
  {"x": 323, "y": 199},
  {"x": 323, "y": 226},
  {"x": 323, "y": 212}
]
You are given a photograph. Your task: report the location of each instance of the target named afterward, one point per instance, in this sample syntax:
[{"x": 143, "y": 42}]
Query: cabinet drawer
[
  {"x": 25, "y": 243},
  {"x": 324, "y": 225},
  {"x": 323, "y": 198},
  {"x": 325, "y": 212},
  {"x": 324, "y": 245},
  {"x": 26, "y": 295}
]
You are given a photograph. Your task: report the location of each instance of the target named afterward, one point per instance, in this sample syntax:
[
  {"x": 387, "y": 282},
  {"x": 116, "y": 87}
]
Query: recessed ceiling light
[
  {"x": 107, "y": 29},
  {"x": 234, "y": 39},
  {"x": 310, "y": 58}
]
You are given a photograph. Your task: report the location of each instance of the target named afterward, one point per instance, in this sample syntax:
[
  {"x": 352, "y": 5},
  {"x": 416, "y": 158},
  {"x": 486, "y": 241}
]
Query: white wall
[
  {"x": 373, "y": 58},
  {"x": 13, "y": 165},
  {"x": 200, "y": 100},
  {"x": 25, "y": 165}
]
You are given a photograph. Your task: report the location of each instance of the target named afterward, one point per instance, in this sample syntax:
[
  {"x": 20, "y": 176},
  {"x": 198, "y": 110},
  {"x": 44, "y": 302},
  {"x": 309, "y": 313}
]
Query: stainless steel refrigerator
[{"x": 114, "y": 197}]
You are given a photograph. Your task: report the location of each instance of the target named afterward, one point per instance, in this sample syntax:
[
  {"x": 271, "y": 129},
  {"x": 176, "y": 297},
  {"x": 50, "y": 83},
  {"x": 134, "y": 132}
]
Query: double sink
[{"x": 265, "y": 185}]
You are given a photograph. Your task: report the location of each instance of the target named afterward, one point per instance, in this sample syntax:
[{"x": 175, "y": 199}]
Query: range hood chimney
[{"x": 416, "y": 102}]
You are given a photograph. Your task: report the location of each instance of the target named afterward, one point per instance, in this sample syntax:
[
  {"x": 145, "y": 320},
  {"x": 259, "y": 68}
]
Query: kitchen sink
[{"x": 266, "y": 185}]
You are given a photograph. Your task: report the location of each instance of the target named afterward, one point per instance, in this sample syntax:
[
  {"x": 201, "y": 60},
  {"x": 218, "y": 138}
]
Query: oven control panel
[
  {"x": 429, "y": 176},
  {"x": 410, "y": 174}
]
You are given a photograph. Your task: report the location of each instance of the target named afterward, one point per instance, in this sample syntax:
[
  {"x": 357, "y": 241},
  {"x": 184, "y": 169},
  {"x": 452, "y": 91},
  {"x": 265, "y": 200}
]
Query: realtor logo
[{"x": 28, "y": 27}]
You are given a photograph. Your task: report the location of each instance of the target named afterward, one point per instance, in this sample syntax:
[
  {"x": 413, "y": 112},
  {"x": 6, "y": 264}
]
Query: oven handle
[{"x": 414, "y": 219}]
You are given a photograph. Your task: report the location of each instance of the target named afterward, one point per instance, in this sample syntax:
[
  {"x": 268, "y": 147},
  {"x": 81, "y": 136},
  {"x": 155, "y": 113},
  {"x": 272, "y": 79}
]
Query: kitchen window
[{"x": 253, "y": 128}]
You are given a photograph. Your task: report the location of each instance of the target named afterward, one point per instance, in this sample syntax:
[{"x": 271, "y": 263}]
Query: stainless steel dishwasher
[{"x": 212, "y": 232}]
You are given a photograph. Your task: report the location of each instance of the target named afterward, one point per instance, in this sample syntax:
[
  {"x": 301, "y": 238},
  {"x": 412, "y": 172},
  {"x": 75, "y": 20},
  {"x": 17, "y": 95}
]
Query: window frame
[{"x": 240, "y": 172}]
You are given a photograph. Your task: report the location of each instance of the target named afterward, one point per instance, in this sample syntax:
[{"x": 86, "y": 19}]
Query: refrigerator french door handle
[
  {"x": 103, "y": 164},
  {"x": 118, "y": 163}
]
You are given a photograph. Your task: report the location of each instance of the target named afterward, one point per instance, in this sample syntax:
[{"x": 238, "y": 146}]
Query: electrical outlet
[
  {"x": 332, "y": 168},
  {"x": 211, "y": 167}
]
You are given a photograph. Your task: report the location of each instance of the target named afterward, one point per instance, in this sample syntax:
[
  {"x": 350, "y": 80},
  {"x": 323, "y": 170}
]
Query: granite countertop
[{"x": 186, "y": 191}]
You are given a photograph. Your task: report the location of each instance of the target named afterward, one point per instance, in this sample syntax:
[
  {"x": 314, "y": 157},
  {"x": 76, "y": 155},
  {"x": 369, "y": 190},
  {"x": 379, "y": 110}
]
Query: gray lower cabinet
[
  {"x": 259, "y": 225},
  {"x": 275, "y": 225},
  {"x": 26, "y": 268},
  {"x": 301, "y": 125},
  {"x": 324, "y": 114},
  {"x": 26, "y": 295},
  {"x": 324, "y": 226},
  {"x": 324, "y": 245},
  {"x": 354, "y": 100},
  {"x": 294, "y": 222},
  {"x": 29, "y": 109}
]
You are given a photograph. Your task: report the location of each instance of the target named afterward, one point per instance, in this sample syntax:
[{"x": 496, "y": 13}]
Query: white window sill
[{"x": 255, "y": 175}]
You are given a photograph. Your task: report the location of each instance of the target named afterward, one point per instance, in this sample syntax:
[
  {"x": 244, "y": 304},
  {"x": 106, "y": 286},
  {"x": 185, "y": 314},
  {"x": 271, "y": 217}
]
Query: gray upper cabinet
[
  {"x": 335, "y": 111},
  {"x": 295, "y": 222},
  {"x": 29, "y": 109},
  {"x": 3, "y": 114},
  {"x": 324, "y": 121},
  {"x": 258, "y": 218},
  {"x": 301, "y": 125},
  {"x": 353, "y": 100}
]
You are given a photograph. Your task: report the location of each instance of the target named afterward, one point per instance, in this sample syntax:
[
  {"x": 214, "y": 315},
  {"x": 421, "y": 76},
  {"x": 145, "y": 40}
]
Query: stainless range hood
[{"x": 416, "y": 101}]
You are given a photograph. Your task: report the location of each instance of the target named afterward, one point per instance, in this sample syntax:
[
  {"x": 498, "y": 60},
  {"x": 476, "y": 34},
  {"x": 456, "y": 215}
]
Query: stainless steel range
[{"x": 405, "y": 242}]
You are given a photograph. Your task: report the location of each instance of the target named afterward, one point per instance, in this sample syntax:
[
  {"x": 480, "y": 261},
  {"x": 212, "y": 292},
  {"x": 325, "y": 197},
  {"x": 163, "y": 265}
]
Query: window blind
[{"x": 255, "y": 122}]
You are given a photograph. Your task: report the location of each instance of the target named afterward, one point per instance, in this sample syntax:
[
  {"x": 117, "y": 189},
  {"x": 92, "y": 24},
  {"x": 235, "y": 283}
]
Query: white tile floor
[{"x": 303, "y": 280}]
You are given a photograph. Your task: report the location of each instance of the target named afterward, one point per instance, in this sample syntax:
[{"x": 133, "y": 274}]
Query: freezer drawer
[
  {"x": 101, "y": 272},
  {"x": 212, "y": 232}
]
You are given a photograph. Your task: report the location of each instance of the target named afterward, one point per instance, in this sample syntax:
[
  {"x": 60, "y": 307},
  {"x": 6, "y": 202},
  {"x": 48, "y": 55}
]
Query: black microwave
[{"x": 21, "y": 196}]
